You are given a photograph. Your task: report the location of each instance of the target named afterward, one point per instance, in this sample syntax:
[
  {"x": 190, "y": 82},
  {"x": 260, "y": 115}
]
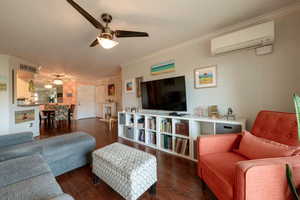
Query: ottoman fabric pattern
[{"x": 128, "y": 171}]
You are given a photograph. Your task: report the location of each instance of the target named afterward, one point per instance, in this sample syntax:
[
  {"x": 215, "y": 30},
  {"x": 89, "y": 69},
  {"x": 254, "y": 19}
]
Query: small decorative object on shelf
[
  {"x": 230, "y": 114},
  {"x": 200, "y": 111},
  {"x": 213, "y": 111}
]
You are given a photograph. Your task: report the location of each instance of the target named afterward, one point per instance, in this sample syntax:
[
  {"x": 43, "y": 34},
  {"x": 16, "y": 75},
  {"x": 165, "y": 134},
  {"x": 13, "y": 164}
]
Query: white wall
[
  {"x": 246, "y": 82},
  {"x": 4, "y": 95}
]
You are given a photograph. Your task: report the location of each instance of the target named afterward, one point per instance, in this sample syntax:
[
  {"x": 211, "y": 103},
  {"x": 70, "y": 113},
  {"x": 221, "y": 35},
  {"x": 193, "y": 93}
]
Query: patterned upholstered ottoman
[{"x": 129, "y": 171}]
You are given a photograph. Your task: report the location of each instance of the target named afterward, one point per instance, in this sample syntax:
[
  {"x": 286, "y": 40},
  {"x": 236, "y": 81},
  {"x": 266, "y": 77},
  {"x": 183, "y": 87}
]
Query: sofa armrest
[
  {"x": 16, "y": 138},
  {"x": 63, "y": 197},
  {"x": 217, "y": 143},
  {"x": 265, "y": 178},
  {"x": 16, "y": 151}
]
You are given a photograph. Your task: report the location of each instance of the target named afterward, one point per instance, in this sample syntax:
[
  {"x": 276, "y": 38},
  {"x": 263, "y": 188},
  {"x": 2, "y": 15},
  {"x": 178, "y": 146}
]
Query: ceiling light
[
  {"x": 48, "y": 86},
  {"x": 107, "y": 43},
  {"x": 58, "y": 82}
]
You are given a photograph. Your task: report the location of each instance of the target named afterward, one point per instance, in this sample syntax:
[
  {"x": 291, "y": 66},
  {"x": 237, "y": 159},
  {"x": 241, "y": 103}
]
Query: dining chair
[{"x": 61, "y": 115}]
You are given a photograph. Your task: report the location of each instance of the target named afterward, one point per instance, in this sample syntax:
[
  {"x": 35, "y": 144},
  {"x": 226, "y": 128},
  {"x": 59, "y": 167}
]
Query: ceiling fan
[{"x": 105, "y": 38}]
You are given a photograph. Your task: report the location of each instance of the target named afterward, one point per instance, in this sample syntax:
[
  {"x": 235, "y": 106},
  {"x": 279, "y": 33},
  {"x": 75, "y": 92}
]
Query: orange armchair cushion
[
  {"x": 254, "y": 147},
  {"x": 221, "y": 167}
]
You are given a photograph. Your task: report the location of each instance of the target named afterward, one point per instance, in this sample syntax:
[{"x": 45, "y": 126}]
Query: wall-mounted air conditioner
[{"x": 255, "y": 36}]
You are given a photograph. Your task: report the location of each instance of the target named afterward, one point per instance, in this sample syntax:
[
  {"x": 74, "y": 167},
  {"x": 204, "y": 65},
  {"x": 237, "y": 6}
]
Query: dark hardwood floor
[{"x": 177, "y": 178}]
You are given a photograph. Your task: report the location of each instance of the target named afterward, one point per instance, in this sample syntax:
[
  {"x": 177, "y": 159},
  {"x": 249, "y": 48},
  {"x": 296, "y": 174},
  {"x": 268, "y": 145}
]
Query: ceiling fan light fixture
[
  {"x": 107, "y": 43},
  {"x": 58, "y": 82}
]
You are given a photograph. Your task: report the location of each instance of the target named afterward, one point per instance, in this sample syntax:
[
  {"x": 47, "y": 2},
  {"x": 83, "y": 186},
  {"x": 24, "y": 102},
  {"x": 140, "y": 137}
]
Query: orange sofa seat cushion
[
  {"x": 218, "y": 171},
  {"x": 254, "y": 147}
]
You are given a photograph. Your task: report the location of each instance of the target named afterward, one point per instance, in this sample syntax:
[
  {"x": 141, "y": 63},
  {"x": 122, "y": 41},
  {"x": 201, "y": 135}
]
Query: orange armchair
[{"x": 231, "y": 176}]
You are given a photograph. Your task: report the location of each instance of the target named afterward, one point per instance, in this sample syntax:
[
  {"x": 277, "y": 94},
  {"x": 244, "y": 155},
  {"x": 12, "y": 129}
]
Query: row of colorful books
[
  {"x": 182, "y": 146},
  {"x": 182, "y": 128},
  {"x": 166, "y": 126}
]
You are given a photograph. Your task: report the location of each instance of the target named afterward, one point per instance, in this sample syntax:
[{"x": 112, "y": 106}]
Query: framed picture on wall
[
  {"x": 129, "y": 86},
  {"x": 139, "y": 81},
  {"x": 111, "y": 90},
  {"x": 205, "y": 77},
  {"x": 162, "y": 68}
]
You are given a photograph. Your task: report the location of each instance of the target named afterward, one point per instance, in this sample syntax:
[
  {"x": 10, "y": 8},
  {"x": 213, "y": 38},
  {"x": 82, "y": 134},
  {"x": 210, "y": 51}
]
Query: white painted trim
[{"x": 256, "y": 20}]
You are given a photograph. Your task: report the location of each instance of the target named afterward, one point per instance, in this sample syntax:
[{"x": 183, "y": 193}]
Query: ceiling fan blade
[
  {"x": 85, "y": 14},
  {"x": 120, "y": 33},
  {"x": 94, "y": 43}
]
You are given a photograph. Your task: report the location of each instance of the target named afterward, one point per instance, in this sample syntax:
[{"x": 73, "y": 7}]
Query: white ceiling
[{"x": 52, "y": 34}]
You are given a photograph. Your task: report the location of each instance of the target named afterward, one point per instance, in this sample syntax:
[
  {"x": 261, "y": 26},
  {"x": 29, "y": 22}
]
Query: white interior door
[
  {"x": 86, "y": 98},
  {"x": 100, "y": 99}
]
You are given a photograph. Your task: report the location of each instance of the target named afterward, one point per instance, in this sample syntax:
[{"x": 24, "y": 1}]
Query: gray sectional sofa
[{"x": 28, "y": 167}]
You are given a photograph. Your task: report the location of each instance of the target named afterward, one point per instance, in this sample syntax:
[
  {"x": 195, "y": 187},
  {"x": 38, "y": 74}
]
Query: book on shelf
[
  {"x": 182, "y": 128},
  {"x": 142, "y": 136},
  {"x": 166, "y": 126},
  {"x": 182, "y": 146},
  {"x": 152, "y": 138},
  {"x": 151, "y": 123},
  {"x": 177, "y": 145},
  {"x": 167, "y": 142}
]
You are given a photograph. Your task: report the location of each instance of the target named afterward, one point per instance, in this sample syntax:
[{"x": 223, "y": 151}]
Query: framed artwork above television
[{"x": 205, "y": 77}]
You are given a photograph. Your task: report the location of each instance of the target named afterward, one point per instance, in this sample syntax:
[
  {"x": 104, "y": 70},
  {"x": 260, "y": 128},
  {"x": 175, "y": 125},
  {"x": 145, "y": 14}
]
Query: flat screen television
[{"x": 166, "y": 94}]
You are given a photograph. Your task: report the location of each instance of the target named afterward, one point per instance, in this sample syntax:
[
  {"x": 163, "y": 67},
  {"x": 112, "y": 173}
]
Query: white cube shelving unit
[{"x": 152, "y": 131}]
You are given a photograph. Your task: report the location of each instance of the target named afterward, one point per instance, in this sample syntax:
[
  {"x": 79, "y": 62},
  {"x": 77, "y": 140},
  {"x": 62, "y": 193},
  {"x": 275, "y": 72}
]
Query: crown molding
[{"x": 294, "y": 7}]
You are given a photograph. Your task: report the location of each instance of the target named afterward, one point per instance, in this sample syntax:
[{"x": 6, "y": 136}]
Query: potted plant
[{"x": 289, "y": 172}]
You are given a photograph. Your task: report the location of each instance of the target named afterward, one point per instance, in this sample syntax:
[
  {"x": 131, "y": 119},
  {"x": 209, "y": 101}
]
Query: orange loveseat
[{"x": 232, "y": 176}]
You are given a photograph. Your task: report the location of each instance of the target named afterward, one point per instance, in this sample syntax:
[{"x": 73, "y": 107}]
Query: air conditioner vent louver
[{"x": 255, "y": 36}]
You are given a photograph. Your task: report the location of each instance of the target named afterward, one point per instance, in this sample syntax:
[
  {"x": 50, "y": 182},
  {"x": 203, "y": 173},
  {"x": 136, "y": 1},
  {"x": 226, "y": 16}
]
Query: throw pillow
[{"x": 254, "y": 147}]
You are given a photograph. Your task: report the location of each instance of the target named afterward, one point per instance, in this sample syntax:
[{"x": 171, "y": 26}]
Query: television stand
[{"x": 173, "y": 134}]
